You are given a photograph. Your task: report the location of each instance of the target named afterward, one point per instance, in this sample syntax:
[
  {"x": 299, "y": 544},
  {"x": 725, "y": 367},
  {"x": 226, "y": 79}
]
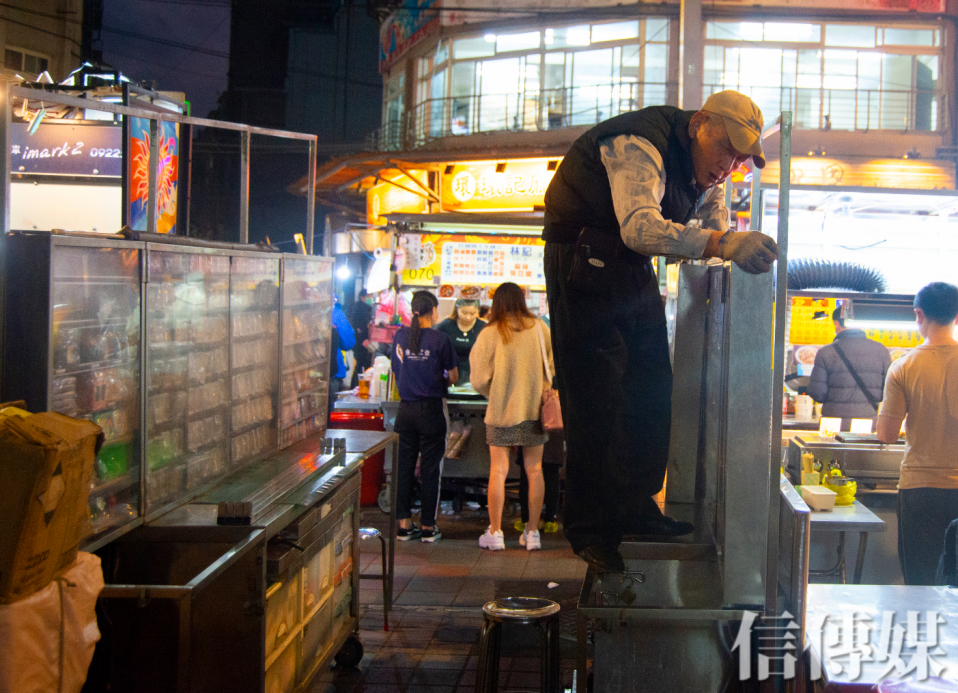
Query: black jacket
[{"x": 832, "y": 384}]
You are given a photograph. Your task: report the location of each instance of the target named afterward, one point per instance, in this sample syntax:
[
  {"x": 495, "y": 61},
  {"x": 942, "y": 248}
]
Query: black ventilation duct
[{"x": 823, "y": 274}]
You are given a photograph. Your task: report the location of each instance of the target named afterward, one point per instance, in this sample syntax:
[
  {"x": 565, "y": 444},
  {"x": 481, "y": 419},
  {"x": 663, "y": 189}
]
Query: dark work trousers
[
  {"x": 615, "y": 388},
  {"x": 553, "y": 457},
  {"x": 421, "y": 426},
  {"x": 923, "y": 516}
]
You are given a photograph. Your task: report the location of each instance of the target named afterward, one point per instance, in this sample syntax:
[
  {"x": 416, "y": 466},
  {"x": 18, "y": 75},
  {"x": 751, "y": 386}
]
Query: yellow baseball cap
[{"x": 743, "y": 121}]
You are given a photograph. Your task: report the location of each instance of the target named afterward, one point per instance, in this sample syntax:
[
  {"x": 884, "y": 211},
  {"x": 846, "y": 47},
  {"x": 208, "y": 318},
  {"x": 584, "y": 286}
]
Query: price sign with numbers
[{"x": 492, "y": 263}]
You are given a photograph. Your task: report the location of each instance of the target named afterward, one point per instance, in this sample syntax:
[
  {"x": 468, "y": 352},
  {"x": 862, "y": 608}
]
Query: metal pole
[
  {"x": 151, "y": 169},
  {"x": 311, "y": 197},
  {"x": 5, "y": 142},
  {"x": 186, "y": 154},
  {"x": 778, "y": 354},
  {"x": 244, "y": 188},
  {"x": 755, "y": 206},
  {"x": 6, "y": 137}
]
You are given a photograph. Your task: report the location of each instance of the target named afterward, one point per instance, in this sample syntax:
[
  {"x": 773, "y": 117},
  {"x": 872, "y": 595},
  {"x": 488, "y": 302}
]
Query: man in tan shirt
[{"x": 923, "y": 386}]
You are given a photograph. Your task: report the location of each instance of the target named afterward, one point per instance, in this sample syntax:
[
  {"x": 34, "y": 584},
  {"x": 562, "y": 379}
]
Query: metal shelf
[
  {"x": 304, "y": 393},
  {"x": 303, "y": 366}
]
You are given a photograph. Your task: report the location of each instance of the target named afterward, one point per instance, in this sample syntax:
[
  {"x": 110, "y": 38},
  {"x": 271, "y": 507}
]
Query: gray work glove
[{"x": 753, "y": 251}]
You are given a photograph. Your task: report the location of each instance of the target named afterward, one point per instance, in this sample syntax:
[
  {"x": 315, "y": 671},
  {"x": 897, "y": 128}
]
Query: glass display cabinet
[
  {"x": 223, "y": 378},
  {"x": 254, "y": 324},
  {"x": 307, "y": 324},
  {"x": 188, "y": 370},
  {"x": 73, "y": 346}
]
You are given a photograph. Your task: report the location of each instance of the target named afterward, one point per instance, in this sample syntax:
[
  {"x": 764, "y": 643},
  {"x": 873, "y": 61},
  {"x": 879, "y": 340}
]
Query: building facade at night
[
  {"x": 42, "y": 35},
  {"x": 864, "y": 78}
]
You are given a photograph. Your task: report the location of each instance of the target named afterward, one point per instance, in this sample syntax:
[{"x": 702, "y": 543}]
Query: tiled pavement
[{"x": 432, "y": 644}]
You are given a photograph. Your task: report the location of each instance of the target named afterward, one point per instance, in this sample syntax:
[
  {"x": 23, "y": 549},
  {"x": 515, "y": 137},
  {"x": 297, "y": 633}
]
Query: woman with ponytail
[{"x": 424, "y": 364}]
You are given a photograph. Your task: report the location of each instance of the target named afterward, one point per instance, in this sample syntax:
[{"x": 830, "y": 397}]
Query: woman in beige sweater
[{"x": 507, "y": 367}]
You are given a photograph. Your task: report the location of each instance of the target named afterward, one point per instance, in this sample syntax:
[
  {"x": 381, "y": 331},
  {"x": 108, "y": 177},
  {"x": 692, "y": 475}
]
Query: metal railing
[
  {"x": 538, "y": 110},
  {"x": 531, "y": 110},
  {"x": 852, "y": 109}
]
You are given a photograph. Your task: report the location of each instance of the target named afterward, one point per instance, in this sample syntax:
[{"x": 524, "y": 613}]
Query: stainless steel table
[
  {"x": 354, "y": 403},
  {"x": 368, "y": 443},
  {"x": 849, "y": 518},
  {"x": 828, "y": 606}
]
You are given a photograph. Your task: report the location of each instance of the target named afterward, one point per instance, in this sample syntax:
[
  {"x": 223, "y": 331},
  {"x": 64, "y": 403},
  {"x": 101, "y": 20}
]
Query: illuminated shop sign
[
  {"x": 872, "y": 173},
  {"x": 67, "y": 150},
  {"x": 920, "y": 6},
  {"x": 509, "y": 186}
]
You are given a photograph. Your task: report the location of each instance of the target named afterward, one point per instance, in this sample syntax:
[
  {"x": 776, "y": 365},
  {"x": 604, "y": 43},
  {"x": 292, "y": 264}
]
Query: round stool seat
[
  {"x": 369, "y": 533},
  {"x": 520, "y": 609}
]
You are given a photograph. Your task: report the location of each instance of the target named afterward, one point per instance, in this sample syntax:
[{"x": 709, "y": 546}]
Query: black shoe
[
  {"x": 660, "y": 527},
  {"x": 406, "y": 534},
  {"x": 603, "y": 557}
]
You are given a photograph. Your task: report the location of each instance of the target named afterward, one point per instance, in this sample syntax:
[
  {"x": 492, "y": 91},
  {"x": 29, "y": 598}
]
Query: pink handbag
[{"x": 551, "y": 412}]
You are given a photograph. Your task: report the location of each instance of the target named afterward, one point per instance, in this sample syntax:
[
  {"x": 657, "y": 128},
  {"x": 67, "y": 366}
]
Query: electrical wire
[
  {"x": 48, "y": 15},
  {"x": 166, "y": 42},
  {"x": 327, "y": 75},
  {"x": 159, "y": 64},
  {"x": 195, "y": 3},
  {"x": 204, "y": 39},
  {"x": 42, "y": 31}
]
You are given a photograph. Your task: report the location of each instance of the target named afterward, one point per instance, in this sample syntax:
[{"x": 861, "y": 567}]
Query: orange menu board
[{"x": 432, "y": 259}]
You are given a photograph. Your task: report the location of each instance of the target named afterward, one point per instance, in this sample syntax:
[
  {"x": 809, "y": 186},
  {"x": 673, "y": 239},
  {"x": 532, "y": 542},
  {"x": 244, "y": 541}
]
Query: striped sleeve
[{"x": 637, "y": 176}]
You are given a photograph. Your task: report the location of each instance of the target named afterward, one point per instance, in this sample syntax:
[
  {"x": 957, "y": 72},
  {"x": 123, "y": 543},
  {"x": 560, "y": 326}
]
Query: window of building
[
  {"x": 24, "y": 61},
  {"x": 539, "y": 80},
  {"x": 394, "y": 108},
  {"x": 832, "y": 76}
]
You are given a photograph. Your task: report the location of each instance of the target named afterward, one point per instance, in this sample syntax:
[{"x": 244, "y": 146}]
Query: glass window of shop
[
  {"x": 543, "y": 79},
  {"x": 833, "y": 76}
]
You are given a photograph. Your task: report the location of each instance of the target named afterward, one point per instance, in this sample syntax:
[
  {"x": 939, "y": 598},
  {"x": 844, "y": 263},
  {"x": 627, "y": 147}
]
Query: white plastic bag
[{"x": 48, "y": 638}]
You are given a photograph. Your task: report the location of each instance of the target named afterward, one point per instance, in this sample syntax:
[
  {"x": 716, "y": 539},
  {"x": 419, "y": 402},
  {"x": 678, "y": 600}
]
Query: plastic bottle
[{"x": 378, "y": 386}]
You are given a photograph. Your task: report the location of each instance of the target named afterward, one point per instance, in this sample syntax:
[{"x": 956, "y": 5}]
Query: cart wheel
[
  {"x": 509, "y": 510},
  {"x": 457, "y": 502},
  {"x": 351, "y": 653},
  {"x": 383, "y": 500}
]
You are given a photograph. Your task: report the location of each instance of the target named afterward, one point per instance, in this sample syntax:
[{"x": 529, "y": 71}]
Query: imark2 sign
[{"x": 67, "y": 150}]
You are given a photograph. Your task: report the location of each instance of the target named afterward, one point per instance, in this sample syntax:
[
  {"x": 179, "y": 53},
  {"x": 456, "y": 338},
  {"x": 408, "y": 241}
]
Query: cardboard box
[{"x": 46, "y": 462}]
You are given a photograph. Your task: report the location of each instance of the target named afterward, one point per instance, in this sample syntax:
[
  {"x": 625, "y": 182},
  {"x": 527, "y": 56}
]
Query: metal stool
[
  {"x": 543, "y": 614},
  {"x": 373, "y": 533}
]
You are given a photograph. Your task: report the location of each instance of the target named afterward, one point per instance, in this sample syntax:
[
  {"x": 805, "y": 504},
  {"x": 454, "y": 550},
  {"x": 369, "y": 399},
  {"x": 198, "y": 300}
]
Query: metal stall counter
[
  {"x": 198, "y": 600},
  {"x": 875, "y": 468},
  {"x": 366, "y": 444}
]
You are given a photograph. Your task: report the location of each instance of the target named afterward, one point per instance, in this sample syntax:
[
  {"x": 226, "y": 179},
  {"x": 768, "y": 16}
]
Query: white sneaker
[
  {"x": 530, "y": 540},
  {"x": 492, "y": 541}
]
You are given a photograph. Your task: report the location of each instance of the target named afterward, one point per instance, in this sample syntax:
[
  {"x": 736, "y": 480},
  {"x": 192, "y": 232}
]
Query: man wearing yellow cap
[{"x": 637, "y": 185}]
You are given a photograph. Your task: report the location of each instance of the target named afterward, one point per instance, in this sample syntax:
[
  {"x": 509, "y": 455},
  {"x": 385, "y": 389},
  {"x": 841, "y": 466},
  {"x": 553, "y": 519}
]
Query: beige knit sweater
[{"x": 511, "y": 376}]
